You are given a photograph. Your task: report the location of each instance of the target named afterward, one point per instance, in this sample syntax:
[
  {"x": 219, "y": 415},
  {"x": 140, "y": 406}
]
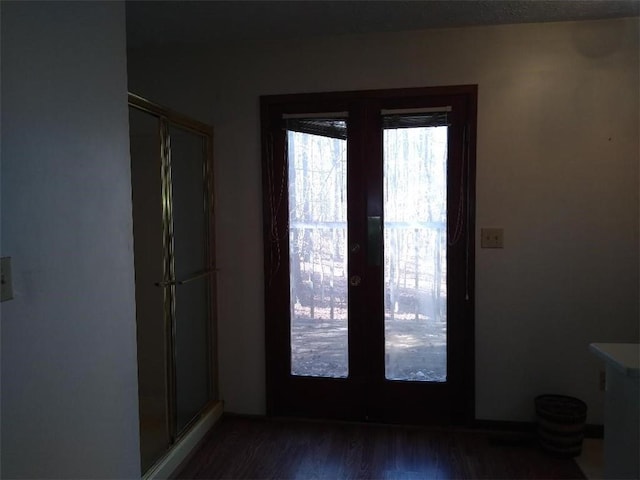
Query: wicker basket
[{"x": 561, "y": 423}]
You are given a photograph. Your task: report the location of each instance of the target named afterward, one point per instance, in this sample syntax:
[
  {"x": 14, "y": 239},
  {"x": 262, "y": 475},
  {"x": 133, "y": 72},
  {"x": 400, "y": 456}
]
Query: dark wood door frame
[{"x": 342, "y": 398}]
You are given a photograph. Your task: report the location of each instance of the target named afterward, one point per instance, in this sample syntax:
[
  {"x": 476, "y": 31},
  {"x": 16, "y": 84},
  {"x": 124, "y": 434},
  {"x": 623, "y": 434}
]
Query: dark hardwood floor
[{"x": 243, "y": 448}]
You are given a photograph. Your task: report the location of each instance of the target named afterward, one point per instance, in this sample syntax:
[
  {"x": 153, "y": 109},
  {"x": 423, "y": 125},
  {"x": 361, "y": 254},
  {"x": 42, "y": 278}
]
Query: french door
[{"x": 369, "y": 221}]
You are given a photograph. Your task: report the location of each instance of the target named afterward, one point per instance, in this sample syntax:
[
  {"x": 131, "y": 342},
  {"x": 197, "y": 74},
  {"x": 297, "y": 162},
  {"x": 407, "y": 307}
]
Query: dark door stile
[
  {"x": 365, "y": 395},
  {"x": 451, "y": 402}
]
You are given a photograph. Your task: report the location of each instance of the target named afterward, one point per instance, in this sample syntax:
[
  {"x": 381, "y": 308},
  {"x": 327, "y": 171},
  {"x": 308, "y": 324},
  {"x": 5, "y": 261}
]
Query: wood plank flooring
[{"x": 260, "y": 448}]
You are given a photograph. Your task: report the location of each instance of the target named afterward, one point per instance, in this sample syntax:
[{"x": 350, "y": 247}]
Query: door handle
[
  {"x": 355, "y": 280},
  {"x": 169, "y": 283},
  {"x": 374, "y": 240}
]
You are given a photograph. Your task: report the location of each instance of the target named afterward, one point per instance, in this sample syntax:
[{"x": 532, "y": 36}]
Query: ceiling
[{"x": 157, "y": 23}]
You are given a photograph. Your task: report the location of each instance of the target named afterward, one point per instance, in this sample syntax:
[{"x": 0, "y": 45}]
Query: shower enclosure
[{"x": 173, "y": 229}]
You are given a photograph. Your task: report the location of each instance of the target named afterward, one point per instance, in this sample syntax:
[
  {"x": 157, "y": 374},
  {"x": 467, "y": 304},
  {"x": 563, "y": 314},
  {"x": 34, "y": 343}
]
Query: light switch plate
[
  {"x": 491, "y": 238},
  {"x": 6, "y": 282}
]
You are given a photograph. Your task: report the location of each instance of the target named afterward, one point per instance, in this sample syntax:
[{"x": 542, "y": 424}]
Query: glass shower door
[
  {"x": 148, "y": 244},
  {"x": 193, "y": 273},
  {"x": 171, "y": 178}
]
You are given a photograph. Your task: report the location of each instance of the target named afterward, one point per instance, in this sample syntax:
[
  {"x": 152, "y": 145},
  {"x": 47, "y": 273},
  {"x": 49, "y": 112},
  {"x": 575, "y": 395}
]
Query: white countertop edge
[{"x": 624, "y": 357}]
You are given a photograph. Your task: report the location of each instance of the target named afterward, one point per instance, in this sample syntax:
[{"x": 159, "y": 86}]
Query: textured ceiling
[{"x": 206, "y": 22}]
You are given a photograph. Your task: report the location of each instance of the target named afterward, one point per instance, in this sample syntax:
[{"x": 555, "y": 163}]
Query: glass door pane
[
  {"x": 192, "y": 274},
  {"x": 149, "y": 260},
  {"x": 317, "y": 151},
  {"x": 415, "y": 247}
]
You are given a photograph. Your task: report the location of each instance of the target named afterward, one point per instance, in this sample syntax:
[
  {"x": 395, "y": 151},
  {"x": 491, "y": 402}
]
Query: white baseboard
[{"x": 181, "y": 450}]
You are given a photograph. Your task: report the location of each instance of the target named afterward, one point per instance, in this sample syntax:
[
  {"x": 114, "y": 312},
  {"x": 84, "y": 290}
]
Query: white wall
[
  {"x": 557, "y": 168},
  {"x": 69, "y": 386}
]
